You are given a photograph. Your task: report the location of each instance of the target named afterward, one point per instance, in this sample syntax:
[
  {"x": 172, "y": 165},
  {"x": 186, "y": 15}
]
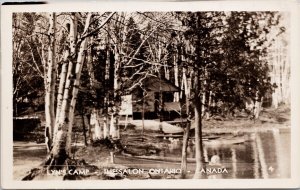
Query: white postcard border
[{"x": 6, "y": 93}]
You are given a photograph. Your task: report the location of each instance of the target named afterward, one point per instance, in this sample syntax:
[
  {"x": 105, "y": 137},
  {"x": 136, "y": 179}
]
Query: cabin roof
[
  {"x": 150, "y": 83},
  {"x": 155, "y": 84}
]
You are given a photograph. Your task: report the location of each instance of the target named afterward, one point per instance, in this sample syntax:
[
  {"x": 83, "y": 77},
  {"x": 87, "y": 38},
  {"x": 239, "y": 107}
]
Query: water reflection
[
  {"x": 265, "y": 155},
  {"x": 234, "y": 161},
  {"x": 255, "y": 155},
  {"x": 261, "y": 157}
]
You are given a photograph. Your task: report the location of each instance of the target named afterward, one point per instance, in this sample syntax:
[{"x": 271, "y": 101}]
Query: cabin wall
[{"x": 137, "y": 103}]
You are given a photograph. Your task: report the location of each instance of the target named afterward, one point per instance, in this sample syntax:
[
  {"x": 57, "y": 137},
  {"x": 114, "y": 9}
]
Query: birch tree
[
  {"x": 50, "y": 82},
  {"x": 62, "y": 139}
]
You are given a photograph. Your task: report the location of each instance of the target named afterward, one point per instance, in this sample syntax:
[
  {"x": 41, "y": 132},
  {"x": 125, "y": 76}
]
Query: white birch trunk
[
  {"x": 66, "y": 94},
  {"x": 50, "y": 84},
  {"x": 106, "y": 98},
  {"x": 95, "y": 122},
  {"x": 203, "y": 104},
  {"x": 61, "y": 86},
  {"x": 208, "y": 109},
  {"x": 113, "y": 124},
  {"x": 79, "y": 63},
  {"x": 90, "y": 67},
  {"x": 176, "y": 94},
  {"x": 257, "y": 106},
  {"x": 59, "y": 152},
  {"x": 88, "y": 129},
  {"x": 184, "y": 84},
  {"x": 276, "y": 76},
  {"x": 106, "y": 127},
  {"x": 112, "y": 131},
  {"x": 204, "y": 94},
  {"x": 105, "y": 130}
]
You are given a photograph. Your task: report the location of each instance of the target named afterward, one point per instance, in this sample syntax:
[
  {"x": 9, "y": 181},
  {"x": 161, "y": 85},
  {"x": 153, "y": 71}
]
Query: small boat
[{"x": 226, "y": 141}]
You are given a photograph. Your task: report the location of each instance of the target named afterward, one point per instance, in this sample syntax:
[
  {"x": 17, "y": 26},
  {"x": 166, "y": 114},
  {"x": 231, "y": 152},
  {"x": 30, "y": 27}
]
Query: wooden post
[
  {"x": 112, "y": 157},
  {"x": 143, "y": 114}
]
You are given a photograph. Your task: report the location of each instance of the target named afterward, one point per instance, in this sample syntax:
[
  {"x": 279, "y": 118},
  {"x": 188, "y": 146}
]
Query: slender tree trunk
[
  {"x": 78, "y": 68},
  {"x": 62, "y": 81},
  {"x": 118, "y": 127},
  {"x": 62, "y": 117},
  {"x": 186, "y": 130},
  {"x": 92, "y": 79},
  {"x": 286, "y": 75},
  {"x": 89, "y": 137},
  {"x": 176, "y": 94},
  {"x": 208, "y": 109},
  {"x": 161, "y": 104},
  {"x": 203, "y": 107},
  {"x": 185, "y": 143},
  {"x": 106, "y": 129},
  {"x": 98, "y": 132},
  {"x": 91, "y": 70},
  {"x": 275, "y": 77},
  {"x": 143, "y": 114},
  {"x": 107, "y": 88},
  {"x": 93, "y": 123},
  {"x": 84, "y": 129},
  {"x": 198, "y": 140},
  {"x": 116, "y": 102},
  {"x": 257, "y": 106},
  {"x": 167, "y": 71},
  {"x": 89, "y": 130},
  {"x": 50, "y": 84},
  {"x": 198, "y": 108},
  {"x": 16, "y": 105},
  {"x": 120, "y": 49},
  {"x": 112, "y": 131}
]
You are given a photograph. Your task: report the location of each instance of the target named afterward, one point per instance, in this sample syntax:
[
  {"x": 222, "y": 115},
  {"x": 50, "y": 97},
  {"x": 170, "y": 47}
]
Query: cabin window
[{"x": 168, "y": 97}]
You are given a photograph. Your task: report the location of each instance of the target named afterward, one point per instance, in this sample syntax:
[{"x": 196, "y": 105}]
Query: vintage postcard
[{"x": 150, "y": 95}]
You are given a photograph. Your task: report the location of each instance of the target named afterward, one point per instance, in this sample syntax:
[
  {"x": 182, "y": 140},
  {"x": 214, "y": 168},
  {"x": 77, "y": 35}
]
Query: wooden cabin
[{"x": 146, "y": 99}]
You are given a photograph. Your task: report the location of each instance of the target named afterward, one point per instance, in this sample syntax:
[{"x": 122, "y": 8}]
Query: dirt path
[{"x": 27, "y": 155}]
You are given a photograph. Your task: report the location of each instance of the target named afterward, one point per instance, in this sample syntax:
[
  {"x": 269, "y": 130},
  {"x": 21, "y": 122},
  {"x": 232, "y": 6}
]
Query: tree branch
[
  {"x": 138, "y": 49},
  {"x": 34, "y": 61},
  {"x": 151, "y": 63},
  {"x": 138, "y": 83},
  {"x": 85, "y": 35}
]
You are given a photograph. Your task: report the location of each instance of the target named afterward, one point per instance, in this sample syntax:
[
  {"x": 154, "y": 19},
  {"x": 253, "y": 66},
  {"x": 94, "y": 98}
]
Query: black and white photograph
[{"x": 150, "y": 95}]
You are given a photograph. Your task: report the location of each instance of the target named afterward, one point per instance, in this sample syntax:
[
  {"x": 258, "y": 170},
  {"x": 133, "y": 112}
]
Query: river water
[{"x": 258, "y": 155}]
